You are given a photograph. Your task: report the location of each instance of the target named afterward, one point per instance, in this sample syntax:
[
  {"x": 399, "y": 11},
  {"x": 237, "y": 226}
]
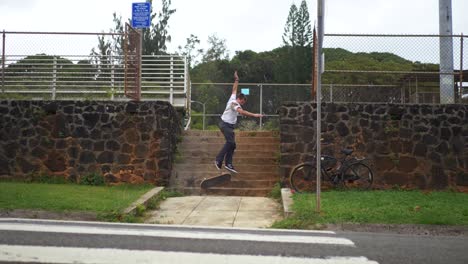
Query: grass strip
[
  {"x": 379, "y": 207},
  {"x": 69, "y": 197}
]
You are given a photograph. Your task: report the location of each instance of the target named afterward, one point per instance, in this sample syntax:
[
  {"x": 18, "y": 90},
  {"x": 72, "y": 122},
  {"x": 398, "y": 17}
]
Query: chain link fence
[
  {"x": 402, "y": 68},
  {"x": 358, "y": 68},
  {"x": 262, "y": 98}
]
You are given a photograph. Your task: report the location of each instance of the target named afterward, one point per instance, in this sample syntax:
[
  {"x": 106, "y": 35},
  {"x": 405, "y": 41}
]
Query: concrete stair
[{"x": 256, "y": 158}]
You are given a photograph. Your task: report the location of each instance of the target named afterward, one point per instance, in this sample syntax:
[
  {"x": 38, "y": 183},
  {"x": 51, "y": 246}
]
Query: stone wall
[
  {"x": 123, "y": 141},
  {"x": 415, "y": 146}
]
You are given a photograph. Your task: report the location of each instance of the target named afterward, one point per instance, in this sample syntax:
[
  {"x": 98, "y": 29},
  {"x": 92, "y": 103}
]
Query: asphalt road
[{"x": 36, "y": 241}]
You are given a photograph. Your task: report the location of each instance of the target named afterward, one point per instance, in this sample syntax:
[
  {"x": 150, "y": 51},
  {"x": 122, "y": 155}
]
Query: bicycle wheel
[
  {"x": 303, "y": 179},
  {"x": 357, "y": 176}
]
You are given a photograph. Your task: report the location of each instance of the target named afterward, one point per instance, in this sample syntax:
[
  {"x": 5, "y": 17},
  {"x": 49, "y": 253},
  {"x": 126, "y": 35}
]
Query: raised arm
[
  {"x": 247, "y": 113},
  {"x": 236, "y": 83}
]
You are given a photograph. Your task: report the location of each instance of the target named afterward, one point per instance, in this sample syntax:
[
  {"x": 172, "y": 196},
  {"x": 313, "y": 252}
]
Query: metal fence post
[
  {"x": 261, "y": 105},
  {"x": 171, "y": 96},
  {"x": 3, "y": 63},
  {"x": 461, "y": 66},
  {"x": 112, "y": 78},
  {"x": 186, "y": 92},
  {"x": 417, "y": 90},
  {"x": 331, "y": 93},
  {"x": 54, "y": 79}
]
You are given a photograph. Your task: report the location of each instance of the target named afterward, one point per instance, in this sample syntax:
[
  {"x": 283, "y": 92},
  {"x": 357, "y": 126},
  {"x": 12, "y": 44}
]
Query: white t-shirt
[{"x": 230, "y": 113}]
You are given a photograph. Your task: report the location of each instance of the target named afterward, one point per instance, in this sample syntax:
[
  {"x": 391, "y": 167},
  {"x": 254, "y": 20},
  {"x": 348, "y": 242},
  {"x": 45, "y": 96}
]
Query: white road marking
[
  {"x": 39, "y": 221},
  {"x": 195, "y": 234},
  {"x": 40, "y": 254}
]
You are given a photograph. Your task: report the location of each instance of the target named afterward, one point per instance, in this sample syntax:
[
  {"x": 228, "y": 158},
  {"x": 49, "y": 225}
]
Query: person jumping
[{"x": 226, "y": 125}]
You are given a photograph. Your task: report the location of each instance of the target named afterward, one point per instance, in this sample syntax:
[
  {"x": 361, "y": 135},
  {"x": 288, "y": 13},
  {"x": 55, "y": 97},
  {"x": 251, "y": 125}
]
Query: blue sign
[
  {"x": 141, "y": 15},
  {"x": 245, "y": 91}
]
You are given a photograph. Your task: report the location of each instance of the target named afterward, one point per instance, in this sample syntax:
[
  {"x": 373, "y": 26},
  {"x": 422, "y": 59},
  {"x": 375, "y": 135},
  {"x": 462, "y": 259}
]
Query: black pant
[{"x": 227, "y": 151}]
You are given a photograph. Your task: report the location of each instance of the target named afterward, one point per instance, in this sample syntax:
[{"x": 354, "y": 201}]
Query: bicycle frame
[
  {"x": 344, "y": 171},
  {"x": 330, "y": 173}
]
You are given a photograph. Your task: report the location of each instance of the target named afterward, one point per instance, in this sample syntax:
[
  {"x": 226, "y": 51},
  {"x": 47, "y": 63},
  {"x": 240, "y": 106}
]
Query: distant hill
[{"x": 294, "y": 65}]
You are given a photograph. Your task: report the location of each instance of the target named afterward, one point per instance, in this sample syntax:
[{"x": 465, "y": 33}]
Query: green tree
[
  {"x": 303, "y": 28},
  {"x": 217, "y": 49},
  {"x": 117, "y": 40},
  {"x": 155, "y": 37},
  {"x": 101, "y": 58},
  {"x": 191, "y": 51},
  {"x": 297, "y": 30},
  {"x": 289, "y": 35},
  {"x": 297, "y": 40}
]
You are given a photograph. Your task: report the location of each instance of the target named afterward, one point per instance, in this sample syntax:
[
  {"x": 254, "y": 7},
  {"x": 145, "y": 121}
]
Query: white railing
[{"x": 92, "y": 77}]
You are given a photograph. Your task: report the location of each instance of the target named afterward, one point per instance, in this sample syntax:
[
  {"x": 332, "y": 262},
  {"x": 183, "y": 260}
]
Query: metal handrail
[{"x": 163, "y": 76}]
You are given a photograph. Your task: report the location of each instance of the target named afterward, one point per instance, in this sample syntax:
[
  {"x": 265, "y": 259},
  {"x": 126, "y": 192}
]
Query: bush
[
  {"x": 45, "y": 178},
  {"x": 248, "y": 125},
  {"x": 276, "y": 192},
  {"x": 271, "y": 125},
  {"x": 93, "y": 178}
]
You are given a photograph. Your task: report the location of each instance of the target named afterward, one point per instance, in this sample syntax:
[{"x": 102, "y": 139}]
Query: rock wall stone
[
  {"x": 416, "y": 146},
  {"x": 131, "y": 142}
]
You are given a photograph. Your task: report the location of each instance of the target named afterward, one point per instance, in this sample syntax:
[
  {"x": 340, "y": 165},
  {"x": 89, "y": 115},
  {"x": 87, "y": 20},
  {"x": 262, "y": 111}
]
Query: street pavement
[{"x": 45, "y": 241}]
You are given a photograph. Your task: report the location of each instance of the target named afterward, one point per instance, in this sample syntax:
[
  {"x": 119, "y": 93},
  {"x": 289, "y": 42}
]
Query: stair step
[
  {"x": 238, "y": 191},
  {"x": 257, "y": 192},
  {"x": 209, "y": 159},
  {"x": 238, "y": 153},
  {"x": 206, "y": 147},
  {"x": 239, "y": 140},
  {"x": 250, "y": 184},
  {"x": 217, "y": 133},
  {"x": 239, "y": 183},
  {"x": 256, "y": 157},
  {"x": 239, "y": 167},
  {"x": 183, "y": 174}
]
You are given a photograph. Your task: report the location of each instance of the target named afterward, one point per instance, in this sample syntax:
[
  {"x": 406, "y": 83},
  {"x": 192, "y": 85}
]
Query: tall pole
[
  {"x": 261, "y": 105},
  {"x": 204, "y": 116},
  {"x": 3, "y": 62},
  {"x": 461, "y": 66},
  {"x": 447, "y": 94},
  {"x": 314, "y": 65},
  {"x": 320, "y": 12}
]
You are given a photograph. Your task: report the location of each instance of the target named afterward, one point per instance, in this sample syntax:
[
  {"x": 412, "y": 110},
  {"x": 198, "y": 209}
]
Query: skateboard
[{"x": 216, "y": 180}]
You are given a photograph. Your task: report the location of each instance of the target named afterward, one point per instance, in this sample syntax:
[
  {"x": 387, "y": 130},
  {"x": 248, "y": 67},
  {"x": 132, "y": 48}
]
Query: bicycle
[{"x": 349, "y": 173}]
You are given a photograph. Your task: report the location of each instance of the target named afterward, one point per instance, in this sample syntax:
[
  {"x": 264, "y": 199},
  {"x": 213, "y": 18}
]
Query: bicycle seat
[{"x": 347, "y": 151}]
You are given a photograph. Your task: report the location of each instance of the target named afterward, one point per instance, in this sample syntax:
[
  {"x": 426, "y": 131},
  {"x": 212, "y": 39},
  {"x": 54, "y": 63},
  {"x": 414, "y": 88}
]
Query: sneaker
[
  {"x": 218, "y": 165},
  {"x": 230, "y": 168}
]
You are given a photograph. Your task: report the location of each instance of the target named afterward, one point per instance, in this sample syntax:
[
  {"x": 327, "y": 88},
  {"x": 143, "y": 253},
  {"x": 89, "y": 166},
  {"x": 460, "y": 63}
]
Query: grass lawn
[
  {"x": 382, "y": 207},
  {"x": 69, "y": 197}
]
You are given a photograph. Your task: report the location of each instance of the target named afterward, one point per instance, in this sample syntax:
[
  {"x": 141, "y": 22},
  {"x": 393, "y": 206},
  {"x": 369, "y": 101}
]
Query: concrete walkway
[{"x": 219, "y": 211}]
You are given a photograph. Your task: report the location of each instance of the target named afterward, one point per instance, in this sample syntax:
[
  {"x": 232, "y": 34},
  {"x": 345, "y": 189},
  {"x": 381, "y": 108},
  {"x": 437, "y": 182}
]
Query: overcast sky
[{"x": 245, "y": 24}]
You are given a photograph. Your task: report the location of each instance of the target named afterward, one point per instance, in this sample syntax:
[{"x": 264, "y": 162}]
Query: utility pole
[
  {"x": 320, "y": 13},
  {"x": 447, "y": 93}
]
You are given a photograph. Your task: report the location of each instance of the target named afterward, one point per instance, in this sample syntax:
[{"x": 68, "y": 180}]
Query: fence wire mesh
[
  {"x": 402, "y": 68},
  {"x": 358, "y": 68}
]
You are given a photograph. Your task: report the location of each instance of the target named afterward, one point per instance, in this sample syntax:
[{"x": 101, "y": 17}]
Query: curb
[
  {"x": 286, "y": 197},
  {"x": 143, "y": 200}
]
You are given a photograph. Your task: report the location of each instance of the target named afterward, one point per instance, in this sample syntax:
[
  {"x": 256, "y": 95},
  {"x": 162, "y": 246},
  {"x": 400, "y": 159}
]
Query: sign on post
[
  {"x": 245, "y": 91},
  {"x": 141, "y": 15}
]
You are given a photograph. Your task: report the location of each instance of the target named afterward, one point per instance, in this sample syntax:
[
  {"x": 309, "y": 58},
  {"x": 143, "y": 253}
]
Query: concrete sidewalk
[{"x": 223, "y": 211}]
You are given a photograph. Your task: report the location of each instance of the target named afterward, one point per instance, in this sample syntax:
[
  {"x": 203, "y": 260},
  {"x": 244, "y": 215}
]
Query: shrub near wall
[
  {"x": 421, "y": 146},
  {"x": 123, "y": 141}
]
